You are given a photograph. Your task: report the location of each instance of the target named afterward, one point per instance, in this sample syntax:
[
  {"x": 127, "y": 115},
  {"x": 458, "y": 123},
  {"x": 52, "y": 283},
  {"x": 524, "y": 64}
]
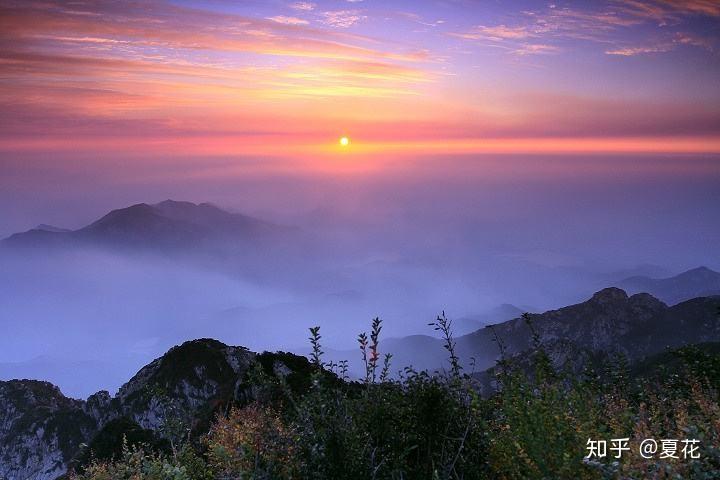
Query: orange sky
[{"x": 288, "y": 79}]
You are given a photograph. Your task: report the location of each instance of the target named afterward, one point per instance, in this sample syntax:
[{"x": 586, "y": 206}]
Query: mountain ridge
[
  {"x": 610, "y": 321},
  {"x": 696, "y": 282},
  {"x": 169, "y": 223}
]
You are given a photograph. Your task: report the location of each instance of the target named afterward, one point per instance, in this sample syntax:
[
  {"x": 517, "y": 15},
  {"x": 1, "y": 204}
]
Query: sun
[{"x": 344, "y": 141}]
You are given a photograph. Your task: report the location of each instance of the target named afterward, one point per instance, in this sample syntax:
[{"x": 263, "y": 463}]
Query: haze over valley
[{"x": 86, "y": 306}]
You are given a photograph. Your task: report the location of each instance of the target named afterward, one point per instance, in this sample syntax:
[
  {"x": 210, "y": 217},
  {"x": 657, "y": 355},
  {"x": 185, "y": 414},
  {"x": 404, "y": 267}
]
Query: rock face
[
  {"x": 191, "y": 379},
  {"x": 41, "y": 430}
]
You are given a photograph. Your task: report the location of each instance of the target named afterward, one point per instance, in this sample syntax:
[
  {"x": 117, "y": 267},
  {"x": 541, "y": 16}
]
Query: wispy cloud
[
  {"x": 414, "y": 17},
  {"x": 535, "y": 49},
  {"x": 683, "y": 38},
  {"x": 694, "y": 7},
  {"x": 496, "y": 33},
  {"x": 679, "y": 39},
  {"x": 666, "y": 12},
  {"x": 553, "y": 23},
  {"x": 303, "y": 6},
  {"x": 342, "y": 18},
  {"x": 633, "y": 51},
  {"x": 174, "y": 27},
  {"x": 603, "y": 24},
  {"x": 288, "y": 20}
]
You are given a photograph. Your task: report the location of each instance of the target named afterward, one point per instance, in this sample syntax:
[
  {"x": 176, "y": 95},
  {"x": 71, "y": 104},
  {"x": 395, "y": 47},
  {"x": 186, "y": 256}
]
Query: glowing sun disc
[{"x": 344, "y": 141}]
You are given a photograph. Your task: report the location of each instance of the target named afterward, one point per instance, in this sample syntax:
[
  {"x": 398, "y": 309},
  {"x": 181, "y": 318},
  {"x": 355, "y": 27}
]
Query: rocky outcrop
[
  {"x": 41, "y": 430},
  {"x": 190, "y": 380}
]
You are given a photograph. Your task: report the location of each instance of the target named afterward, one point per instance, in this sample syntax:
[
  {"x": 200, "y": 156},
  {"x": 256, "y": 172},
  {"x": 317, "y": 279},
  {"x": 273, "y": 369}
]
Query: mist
[{"x": 405, "y": 242}]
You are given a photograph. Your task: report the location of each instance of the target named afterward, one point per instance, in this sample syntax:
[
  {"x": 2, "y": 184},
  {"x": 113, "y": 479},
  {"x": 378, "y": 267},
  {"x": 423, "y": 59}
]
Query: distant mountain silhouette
[
  {"x": 50, "y": 228},
  {"x": 165, "y": 224},
  {"x": 641, "y": 270},
  {"x": 611, "y": 322},
  {"x": 698, "y": 282},
  {"x": 501, "y": 313}
]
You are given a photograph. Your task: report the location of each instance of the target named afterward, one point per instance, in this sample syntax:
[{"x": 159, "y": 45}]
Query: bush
[
  {"x": 251, "y": 442},
  {"x": 436, "y": 426}
]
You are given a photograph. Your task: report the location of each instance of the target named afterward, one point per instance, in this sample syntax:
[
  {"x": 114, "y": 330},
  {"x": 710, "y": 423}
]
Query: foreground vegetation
[{"x": 423, "y": 426}]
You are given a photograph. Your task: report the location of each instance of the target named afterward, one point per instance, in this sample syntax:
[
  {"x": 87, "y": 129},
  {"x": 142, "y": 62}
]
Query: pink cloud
[
  {"x": 288, "y": 20},
  {"x": 633, "y": 51},
  {"x": 536, "y": 49},
  {"x": 496, "y": 33}
]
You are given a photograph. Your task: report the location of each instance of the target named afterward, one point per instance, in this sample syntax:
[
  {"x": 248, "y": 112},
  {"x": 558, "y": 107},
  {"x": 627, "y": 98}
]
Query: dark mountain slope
[{"x": 610, "y": 321}]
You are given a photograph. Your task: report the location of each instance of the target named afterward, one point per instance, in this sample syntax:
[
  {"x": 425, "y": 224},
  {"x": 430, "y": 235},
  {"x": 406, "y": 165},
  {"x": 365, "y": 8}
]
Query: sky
[
  {"x": 107, "y": 103},
  {"x": 284, "y": 78},
  {"x": 499, "y": 152}
]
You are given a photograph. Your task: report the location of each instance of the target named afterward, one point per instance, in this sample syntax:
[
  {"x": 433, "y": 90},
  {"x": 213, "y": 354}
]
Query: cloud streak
[
  {"x": 601, "y": 25},
  {"x": 288, "y": 20}
]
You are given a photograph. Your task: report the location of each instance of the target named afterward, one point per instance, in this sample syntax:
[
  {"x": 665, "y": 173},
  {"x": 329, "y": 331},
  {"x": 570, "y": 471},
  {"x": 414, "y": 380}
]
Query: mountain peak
[
  {"x": 170, "y": 224},
  {"x": 124, "y": 219},
  {"x": 50, "y": 228},
  {"x": 647, "y": 300},
  {"x": 136, "y": 207},
  {"x": 170, "y": 202},
  {"x": 131, "y": 211},
  {"x": 174, "y": 205},
  {"x": 192, "y": 212},
  {"x": 700, "y": 272},
  {"x": 609, "y": 295},
  {"x": 189, "y": 367}
]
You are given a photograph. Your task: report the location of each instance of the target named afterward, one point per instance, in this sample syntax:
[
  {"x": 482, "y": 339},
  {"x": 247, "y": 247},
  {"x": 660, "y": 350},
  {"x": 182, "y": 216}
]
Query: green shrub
[{"x": 314, "y": 424}]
